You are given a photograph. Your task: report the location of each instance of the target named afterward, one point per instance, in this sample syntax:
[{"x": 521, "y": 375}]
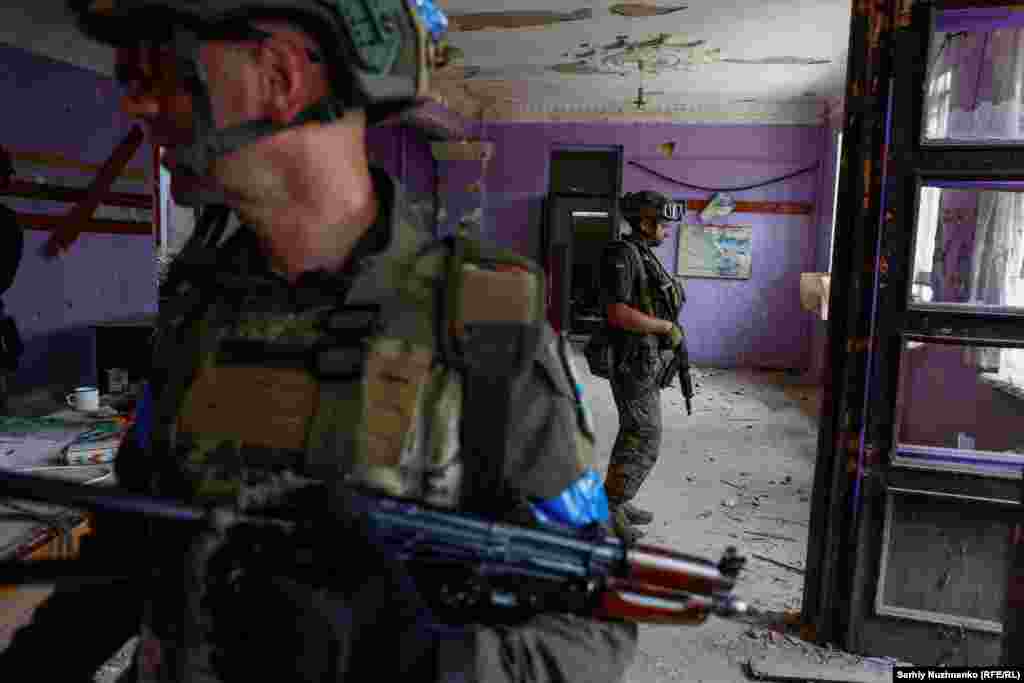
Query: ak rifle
[{"x": 490, "y": 564}]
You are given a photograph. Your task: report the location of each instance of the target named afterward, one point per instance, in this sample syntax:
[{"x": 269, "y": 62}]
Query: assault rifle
[
  {"x": 491, "y": 564},
  {"x": 679, "y": 364}
]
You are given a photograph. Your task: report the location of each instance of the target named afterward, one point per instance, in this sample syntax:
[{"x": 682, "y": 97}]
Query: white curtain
[
  {"x": 927, "y": 268},
  {"x": 975, "y": 87},
  {"x": 974, "y": 93},
  {"x": 997, "y": 266}
]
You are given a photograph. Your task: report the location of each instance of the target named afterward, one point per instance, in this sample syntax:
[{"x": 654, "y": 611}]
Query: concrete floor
[{"x": 737, "y": 472}]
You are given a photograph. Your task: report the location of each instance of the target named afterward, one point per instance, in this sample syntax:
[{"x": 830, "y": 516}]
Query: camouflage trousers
[{"x": 638, "y": 400}]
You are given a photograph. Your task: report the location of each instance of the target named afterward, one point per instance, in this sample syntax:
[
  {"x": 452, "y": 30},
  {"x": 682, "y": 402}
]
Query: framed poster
[{"x": 721, "y": 251}]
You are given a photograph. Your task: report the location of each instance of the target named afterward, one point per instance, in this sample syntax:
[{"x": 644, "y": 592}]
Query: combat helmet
[
  {"x": 377, "y": 52},
  {"x": 649, "y": 204}
]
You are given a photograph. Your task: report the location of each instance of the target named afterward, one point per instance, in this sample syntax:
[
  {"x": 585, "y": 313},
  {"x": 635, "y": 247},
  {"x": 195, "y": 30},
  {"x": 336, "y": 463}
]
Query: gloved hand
[
  {"x": 328, "y": 617},
  {"x": 674, "y": 337}
]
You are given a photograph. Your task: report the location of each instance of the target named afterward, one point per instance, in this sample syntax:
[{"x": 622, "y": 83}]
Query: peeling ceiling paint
[
  {"x": 581, "y": 60},
  {"x": 636, "y": 9},
  {"x": 708, "y": 58},
  {"x": 488, "y": 21},
  {"x": 653, "y": 54}
]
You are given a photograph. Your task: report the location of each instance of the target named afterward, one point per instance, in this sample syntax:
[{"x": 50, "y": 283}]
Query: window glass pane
[
  {"x": 973, "y": 90},
  {"x": 969, "y": 246},
  {"x": 959, "y": 401}
]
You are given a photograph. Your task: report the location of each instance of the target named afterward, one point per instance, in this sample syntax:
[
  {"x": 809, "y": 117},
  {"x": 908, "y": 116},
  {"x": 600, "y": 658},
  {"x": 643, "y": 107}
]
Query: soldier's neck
[{"x": 308, "y": 195}]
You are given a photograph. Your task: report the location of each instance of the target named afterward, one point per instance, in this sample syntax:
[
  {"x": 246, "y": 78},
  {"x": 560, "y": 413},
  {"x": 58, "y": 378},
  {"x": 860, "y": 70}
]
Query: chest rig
[
  {"x": 659, "y": 294},
  {"x": 396, "y": 375}
]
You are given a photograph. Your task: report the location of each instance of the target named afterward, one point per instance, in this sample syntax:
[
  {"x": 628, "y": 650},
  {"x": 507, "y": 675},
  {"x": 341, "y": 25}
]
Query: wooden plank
[
  {"x": 34, "y": 221},
  {"x": 779, "y": 208},
  {"x": 64, "y": 237},
  {"x": 794, "y": 664},
  {"x": 58, "y": 160},
  {"x": 27, "y": 189}
]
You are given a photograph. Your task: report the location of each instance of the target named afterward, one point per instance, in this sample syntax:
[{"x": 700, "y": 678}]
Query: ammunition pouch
[{"x": 600, "y": 353}]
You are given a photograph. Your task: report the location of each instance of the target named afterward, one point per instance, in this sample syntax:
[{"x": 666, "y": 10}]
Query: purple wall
[
  {"x": 756, "y": 322},
  {"x": 57, "y": 108},
  {"x": 942, "y": 395},
  {"x": 404, "y": 152}
]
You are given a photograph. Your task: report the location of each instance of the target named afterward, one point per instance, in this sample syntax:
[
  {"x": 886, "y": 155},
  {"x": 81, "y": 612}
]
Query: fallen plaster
[
  {"x": 490, "y": 21},
  {"x": 635, "y": 10}
]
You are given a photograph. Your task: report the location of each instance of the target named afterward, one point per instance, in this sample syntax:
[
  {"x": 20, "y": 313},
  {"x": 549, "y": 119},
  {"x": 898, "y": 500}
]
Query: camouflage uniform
[
  {"x": 630, "y": 270},
  {"x": 235, "y": 419}
]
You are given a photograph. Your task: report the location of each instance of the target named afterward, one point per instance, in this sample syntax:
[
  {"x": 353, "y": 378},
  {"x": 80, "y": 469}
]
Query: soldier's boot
[
  {"x": 620, "y": 522},
  {"x": 637, "y": 515}
]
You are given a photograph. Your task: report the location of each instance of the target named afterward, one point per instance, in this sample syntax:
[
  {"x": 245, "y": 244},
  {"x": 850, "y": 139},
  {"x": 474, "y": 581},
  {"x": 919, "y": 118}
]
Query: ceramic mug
[{"x": 85, "y": 399}]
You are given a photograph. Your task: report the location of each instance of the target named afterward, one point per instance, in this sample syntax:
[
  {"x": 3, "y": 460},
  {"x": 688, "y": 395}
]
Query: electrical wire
[{"x": 810, "y": 168}]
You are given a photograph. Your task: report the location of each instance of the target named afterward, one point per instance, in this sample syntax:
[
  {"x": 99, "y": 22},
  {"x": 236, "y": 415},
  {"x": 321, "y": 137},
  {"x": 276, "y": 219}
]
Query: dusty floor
[{"x": 736, "y": 472}]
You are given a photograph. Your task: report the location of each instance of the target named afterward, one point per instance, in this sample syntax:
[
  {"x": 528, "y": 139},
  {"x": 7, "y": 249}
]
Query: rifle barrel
[{"x": 94, "y": 498}]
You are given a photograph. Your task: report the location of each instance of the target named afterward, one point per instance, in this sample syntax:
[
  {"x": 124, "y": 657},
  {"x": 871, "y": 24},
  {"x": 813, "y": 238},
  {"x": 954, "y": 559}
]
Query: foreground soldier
[
  {"x": 319, "y": 337},
  {"x": 641, "y": 304}
]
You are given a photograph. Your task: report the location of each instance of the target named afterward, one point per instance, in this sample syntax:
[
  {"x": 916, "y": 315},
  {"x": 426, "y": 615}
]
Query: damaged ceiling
[{"x": 700, "y": 61}]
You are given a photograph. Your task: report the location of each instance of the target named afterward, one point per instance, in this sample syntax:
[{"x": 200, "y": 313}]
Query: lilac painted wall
[
  {"x": 756, "y": 322},
  {"x": 942, "y": 395},
  {"x": 57, "y": 108},
  {"x": 404, "y": 152}
]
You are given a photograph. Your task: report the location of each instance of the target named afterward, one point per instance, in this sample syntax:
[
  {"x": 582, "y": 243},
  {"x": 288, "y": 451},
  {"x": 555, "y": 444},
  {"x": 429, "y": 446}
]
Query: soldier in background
[{"x": 642, "y": 303}]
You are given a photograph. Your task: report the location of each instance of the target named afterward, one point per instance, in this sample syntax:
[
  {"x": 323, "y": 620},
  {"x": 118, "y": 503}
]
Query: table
[{"x": 35, "y": 531}]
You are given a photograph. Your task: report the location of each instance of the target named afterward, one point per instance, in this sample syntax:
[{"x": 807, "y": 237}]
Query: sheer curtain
[
  {"x": 974, "y": 93},
  {"x": 927, "y": 267},
  {"x": 975, "y": 86},
  {"x": 997, "y": 266}
]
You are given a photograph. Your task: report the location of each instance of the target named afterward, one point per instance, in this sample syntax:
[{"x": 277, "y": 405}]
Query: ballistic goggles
[{"x": 652, "y": 205}]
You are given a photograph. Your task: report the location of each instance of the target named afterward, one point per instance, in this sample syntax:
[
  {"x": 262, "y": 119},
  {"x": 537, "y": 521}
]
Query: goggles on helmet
[{"x": 652, "y": 205}]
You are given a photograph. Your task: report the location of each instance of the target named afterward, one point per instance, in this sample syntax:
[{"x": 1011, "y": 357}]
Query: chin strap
[{"x": 210, "y": 142}]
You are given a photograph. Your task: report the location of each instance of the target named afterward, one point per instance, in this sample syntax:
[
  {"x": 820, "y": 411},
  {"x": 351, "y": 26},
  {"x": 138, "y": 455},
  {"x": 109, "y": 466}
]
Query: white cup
[{"x": 85, "y": 399}]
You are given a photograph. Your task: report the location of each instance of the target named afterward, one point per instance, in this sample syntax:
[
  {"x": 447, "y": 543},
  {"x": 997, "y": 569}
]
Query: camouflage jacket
[{"x": 238, "y": 416}]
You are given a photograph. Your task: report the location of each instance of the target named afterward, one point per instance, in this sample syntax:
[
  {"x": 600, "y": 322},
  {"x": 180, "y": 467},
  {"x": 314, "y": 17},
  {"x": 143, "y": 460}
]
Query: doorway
[{"x": 582, "y": 217}]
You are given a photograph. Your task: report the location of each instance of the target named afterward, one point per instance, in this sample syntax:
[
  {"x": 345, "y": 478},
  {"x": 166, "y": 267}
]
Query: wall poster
[{"x": 721, "y": 251}]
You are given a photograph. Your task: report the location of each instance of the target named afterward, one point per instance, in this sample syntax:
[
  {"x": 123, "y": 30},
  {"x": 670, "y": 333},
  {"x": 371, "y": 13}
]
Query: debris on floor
[{"x": 801, "y": 662}]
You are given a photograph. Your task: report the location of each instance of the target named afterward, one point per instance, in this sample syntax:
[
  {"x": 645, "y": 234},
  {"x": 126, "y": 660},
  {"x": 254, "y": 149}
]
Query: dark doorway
[{"x": 582, "y": 216}]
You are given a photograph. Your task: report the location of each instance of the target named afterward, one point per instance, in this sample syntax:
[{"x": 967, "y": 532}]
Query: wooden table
[{"x": 35, "y": 531}]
